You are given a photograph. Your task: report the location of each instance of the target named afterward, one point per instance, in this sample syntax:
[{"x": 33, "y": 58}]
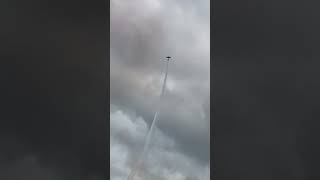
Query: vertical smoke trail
[{"x": 147, "y": 142}]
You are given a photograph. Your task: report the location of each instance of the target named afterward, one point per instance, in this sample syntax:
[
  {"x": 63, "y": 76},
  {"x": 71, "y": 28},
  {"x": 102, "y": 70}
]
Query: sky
[
  {"x": 142, "y": 34},
  {"x": 54, "y": 89}
]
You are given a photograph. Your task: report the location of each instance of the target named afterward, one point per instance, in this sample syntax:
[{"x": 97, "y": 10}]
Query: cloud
[
  {"x": 163, "y": 159},
  {"x": 143, "y": 33}
]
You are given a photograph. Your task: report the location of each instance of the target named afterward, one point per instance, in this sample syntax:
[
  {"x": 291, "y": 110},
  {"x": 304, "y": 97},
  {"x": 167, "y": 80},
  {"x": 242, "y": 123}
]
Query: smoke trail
[{"x": 147, "y": 142}]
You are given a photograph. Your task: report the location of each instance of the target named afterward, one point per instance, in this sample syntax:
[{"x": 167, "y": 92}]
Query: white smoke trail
[{"x": 147, "y": 142}]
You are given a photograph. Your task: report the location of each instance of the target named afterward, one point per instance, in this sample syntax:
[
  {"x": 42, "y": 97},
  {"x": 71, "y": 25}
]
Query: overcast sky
[{"x": 143, "y": 33}]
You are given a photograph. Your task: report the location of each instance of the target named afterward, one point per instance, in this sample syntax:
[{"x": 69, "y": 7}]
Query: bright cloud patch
[{"x": 162, "y": 161}]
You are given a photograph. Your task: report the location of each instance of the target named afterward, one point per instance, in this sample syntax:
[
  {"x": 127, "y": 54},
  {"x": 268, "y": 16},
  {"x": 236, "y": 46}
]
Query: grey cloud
[
  {"x": 163, "y": 160},
  {"x": 140, "y": 39}
]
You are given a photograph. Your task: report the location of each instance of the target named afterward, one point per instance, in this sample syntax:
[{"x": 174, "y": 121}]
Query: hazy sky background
[{"x": 143, "y": 33}]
